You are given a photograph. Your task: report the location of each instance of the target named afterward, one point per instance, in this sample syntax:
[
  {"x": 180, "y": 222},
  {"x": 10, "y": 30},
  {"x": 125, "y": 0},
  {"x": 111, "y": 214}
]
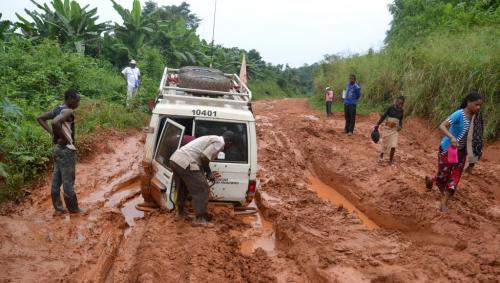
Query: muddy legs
[
  {"x": 445, "y": 196},
  {"x": 64, "y": 174},
  {"x": 391, "y": 157}
]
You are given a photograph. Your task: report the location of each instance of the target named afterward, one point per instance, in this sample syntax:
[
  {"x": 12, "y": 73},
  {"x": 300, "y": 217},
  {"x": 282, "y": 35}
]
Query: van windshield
[{"x": 238, "y": 152}]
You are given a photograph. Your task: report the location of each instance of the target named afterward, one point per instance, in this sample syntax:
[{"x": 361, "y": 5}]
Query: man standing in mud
[
  {"x": 63, "y": 135},
  {"x": 352, "y": 94},
  {"x": 191, "y": 165},
  {"x": 131, "y": 75}
]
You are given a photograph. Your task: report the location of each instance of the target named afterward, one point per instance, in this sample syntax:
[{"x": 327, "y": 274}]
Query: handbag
[
  {"x": 375, "y": 135},
  {"x": 452, "y": 154}
]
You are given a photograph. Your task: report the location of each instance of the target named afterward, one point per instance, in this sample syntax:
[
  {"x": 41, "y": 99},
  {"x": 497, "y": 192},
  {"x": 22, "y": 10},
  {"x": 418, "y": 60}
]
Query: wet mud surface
[{"x": 328, "y": 212}]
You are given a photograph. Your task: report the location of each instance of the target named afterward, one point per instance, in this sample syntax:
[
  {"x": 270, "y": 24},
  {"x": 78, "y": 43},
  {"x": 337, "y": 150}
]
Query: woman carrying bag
[
  {"x": 463, "y": 136},
  {"x": 393, "y": 117}
]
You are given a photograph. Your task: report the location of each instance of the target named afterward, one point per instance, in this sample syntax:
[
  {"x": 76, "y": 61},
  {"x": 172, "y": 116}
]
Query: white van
[{"x": 182, "y": 109}]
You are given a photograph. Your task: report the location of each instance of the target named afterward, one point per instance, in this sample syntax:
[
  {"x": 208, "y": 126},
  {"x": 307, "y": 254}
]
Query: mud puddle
[
  {"x": 130, "y": 212},
  {"x": 124, "y": 196},
  {"x": 260, "y": 235},
  {"x": 330, "y": 194},
  {"x": 117, "y": 189}
]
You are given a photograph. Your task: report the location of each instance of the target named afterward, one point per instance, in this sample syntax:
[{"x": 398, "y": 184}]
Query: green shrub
[{"x": 266, "y": 89}]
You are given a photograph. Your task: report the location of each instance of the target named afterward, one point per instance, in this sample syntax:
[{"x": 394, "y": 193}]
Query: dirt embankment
[{"x": 329, "y": 213}]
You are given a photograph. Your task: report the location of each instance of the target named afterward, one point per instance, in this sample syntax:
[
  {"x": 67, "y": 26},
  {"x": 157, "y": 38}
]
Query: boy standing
[{"x": 63, "y": 136}]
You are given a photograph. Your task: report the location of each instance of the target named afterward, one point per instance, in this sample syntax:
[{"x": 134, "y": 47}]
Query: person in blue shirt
[
  {"x": 462, "y": 131},
  {"x": 352, "y": 94}
]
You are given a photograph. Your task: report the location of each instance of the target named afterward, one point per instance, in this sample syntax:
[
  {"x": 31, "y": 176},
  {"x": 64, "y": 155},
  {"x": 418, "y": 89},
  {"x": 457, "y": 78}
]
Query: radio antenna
[{"x": 213, "y": 35}]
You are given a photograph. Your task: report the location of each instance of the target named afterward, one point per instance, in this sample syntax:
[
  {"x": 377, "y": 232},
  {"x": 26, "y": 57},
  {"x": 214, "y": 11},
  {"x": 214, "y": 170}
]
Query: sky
[{"x": 283, "y": 31}]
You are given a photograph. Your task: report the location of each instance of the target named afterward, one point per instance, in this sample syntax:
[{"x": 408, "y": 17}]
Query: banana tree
[
  {"x": 4, "y": 27},
  {"x": 42, "y": 25},
  {"x": 78, "y": 26},
  {"x": 135, "y": 26},
  {"x": 179, "y": 44},
  {"x": 67, "y": 22}
]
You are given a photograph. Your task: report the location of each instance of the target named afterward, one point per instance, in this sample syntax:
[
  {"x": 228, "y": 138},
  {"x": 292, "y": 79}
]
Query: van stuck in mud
[{"x": 194, "y": 102}]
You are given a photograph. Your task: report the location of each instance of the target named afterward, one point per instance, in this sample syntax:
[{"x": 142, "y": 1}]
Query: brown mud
[{"x": 329, "y": 212}]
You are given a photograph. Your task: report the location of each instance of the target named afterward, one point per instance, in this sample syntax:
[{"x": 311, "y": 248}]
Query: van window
[
  {"x": 168, "y": 144},
  {"x": 187, "y": 122},
  {"x": 238, "y": 152}
]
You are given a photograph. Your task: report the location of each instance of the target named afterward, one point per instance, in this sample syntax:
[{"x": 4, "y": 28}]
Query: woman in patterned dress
[{"x": 456, "y": 130}]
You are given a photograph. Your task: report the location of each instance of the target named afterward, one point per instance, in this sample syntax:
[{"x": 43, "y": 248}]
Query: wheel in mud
[{"x": 203, "y": 80}]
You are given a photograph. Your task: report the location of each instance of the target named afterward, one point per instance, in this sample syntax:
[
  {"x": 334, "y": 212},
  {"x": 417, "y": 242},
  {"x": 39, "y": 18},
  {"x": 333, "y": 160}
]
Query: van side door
[{"x": 169, "y": 142}]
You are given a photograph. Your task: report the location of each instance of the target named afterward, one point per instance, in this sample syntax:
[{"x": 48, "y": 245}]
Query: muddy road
[{"x": 329, "y": 212}]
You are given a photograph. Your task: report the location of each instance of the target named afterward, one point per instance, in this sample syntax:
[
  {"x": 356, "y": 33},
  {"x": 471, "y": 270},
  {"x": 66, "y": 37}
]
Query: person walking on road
[
  {"x": 393, "y": 118},
  {"x": 191, "y": 165},
  {"x": 352, "y": 94},
  {"x": 328, "y": 101},
  {"x": 463, "y": 135},
  {"x": 64, "y": 152},
  {"x": 131, "y": 75}
]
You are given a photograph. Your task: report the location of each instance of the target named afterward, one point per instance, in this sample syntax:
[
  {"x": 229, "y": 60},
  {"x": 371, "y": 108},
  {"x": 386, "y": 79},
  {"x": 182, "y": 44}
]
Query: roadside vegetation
[
  {"x": 435, "y": 53},
  {"x": 62, "y": 44}
]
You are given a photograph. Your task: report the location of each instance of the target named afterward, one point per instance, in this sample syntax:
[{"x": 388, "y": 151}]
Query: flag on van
[{"x": 243, "y": 70}]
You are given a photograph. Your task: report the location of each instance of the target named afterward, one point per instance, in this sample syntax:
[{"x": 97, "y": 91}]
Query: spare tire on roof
[
  {"x": 200, "y": 69},
  {"x": 206, "y": 81}
]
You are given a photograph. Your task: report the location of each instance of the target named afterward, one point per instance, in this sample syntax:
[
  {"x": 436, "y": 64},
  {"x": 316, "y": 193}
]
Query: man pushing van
[{"x": 191, "y": 166}]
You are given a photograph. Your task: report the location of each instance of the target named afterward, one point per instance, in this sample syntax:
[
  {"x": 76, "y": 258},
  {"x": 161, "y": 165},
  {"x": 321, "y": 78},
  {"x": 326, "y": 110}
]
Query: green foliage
[
  {"x": 72, "y": 25},
  {"x": 4, "y": 27},
  {"x": 266, "y": 89},
  {"x": 135, "y": 27},
  {"x": 413, "y": 19},
  {"x": 99, "y": 114},
  {"x": 172, "y": 12}
]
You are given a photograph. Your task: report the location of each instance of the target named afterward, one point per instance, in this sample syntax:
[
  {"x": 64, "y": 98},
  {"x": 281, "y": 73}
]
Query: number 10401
[{"x": 208, "y": 113}]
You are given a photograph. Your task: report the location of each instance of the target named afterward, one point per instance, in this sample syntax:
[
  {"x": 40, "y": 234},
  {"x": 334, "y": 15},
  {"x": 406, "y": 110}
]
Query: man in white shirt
[
  {"x": 191, "y": 165},
  {"x": 131, "y": 75}
]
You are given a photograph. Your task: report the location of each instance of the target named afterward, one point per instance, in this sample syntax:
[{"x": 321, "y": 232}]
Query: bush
[{"x": 263, "y": 89}]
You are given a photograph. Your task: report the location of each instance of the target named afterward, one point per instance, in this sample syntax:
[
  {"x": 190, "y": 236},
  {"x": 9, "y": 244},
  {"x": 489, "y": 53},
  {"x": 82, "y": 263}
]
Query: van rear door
[{"x": 169, "y": 142}]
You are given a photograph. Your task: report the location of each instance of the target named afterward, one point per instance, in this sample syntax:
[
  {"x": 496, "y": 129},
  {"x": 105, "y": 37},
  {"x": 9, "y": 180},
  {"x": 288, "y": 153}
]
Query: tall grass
[
  {"x": 266, "y": 89},
  {"x": 434, "y": 74}
]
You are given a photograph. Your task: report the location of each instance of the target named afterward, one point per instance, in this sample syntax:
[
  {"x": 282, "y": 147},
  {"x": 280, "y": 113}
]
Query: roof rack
[{"x": 238, "y": 92}]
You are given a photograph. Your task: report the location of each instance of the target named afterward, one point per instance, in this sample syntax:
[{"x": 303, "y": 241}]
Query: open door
[{"x": 169, "y": 142}]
